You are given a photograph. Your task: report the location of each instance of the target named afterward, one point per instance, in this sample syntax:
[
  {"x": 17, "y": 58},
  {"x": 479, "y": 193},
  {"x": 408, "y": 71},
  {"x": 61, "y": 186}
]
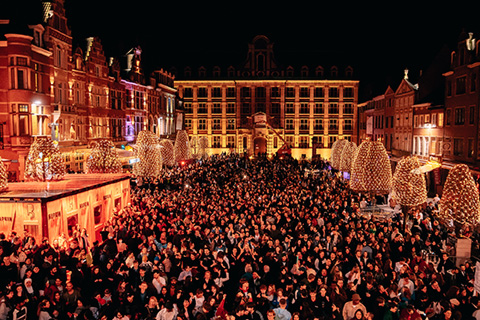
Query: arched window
[
  {"x": 319, "y": 72},
  {"x": 304, "y": 71},
  {"x": 290, "y": 71},
  {"x": 334, "y": 72}
]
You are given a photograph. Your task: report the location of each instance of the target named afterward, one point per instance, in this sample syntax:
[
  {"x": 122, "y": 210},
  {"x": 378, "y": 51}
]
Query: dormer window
[
  {"x": 319, "y": 72},
  {"x": 202, "y": 72},
  {"x": 304, "y": 71},
  {"x": 334, "y": 72}
]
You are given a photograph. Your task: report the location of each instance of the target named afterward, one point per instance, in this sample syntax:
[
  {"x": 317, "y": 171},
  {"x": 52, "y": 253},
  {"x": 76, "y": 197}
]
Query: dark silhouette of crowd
[{"x": 231, "y": 237}]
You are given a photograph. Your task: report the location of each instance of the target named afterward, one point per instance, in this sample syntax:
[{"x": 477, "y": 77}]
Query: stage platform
[{"x": 48, "y": 209}]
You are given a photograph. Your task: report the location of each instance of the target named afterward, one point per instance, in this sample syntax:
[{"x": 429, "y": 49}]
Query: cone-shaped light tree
[
  {"x": 202, "y": 147},
  {"x": 371, "y": 170},
  {"x": 3, "y": 176},
  {"x": 182, "y": 150},
  {"x": 103, "y": 158},
  {"x": 337, "y": 150},
  {"x": 409, "y": 188},
  {"x": 166, "y": 151},
  {"x": 44, "y": 161},
  {"x": 148, "y": 153},
  {"x": 347, "y": 156},
  {"x": 460, "y": 200}
]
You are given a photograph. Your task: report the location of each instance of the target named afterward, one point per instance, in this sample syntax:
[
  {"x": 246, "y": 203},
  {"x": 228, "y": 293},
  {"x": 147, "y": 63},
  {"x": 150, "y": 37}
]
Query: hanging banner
[
  {"x": 7, "y": 217},
  {"x": 55, "y": 219}
]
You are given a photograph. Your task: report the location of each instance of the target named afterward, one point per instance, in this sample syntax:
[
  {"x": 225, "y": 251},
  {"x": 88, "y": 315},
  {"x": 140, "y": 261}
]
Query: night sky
[{"x": 379, "y": 41}]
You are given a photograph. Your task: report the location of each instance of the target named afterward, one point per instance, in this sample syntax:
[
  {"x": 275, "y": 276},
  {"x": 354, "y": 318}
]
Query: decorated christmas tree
[
  {"x": 182, "y": 150},
  {"x": 103, "y": 158},
  {"x": 166, "y": 151},
  {"x": 148, "y": 153},
  {"x": 3, "y": 176},
  {"x": 44, "y": 161}
]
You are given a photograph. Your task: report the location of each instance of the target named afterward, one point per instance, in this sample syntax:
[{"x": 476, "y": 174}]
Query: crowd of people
[{"x": 229, "y": 237}]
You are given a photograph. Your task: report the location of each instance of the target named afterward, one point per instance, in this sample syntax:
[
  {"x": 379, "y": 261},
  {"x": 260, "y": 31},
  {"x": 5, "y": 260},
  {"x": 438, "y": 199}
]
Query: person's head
[
  {"x": 356, "y": 298},
  {"x": 358, "y": 315},
  {"x": 270, "y": 314}
]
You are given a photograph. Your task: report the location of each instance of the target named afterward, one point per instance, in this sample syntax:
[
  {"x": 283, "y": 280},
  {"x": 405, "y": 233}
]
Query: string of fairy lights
[
  {"x": 337, "y": 150},
  {"x": 182, "y": 150},
  {"x": 148, "y": 153},
  {"x": 371, "y": 170},
  {"x": 347, "y": 156},
  {"x": 166, "y": 151},
  {"x": 3, "y": 176},
  {"x": 409, "y": 188},
  {"x": 103, "y": 158},
  {"x": 44, "y": 161},
  {"x": 460, "y": 199}
]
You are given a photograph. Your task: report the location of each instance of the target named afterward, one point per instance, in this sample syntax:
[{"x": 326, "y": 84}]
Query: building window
[
  {"x": 289, "y": 124},
  {"x": 202, "y": 108},
  {"x": 304, "y": 92},
  {"x": 304, "y": 108},
  {"x": 460, "y": 87},
  {"x": 231, "y": 142},
  {"x": 348, "y": 108},
  {"x": 188, "y": 107},
  {"x": 188, "y": 93},
  {"x": 202, "y": 92},
  {"x": 216, "y": 142},
  {"x": 231, "y": 92},
  {"x": 23, "y": 108},
  {"x": 333, "y": 108},
  {"x": 188, "y": 124},
  {"x": 275, "y": 109},
  {"x": 304, "y": 142},
  {"x": 230, "y": 107},
  {"x": 231, "y": 124},
  {"x": 333, "y": 124},
  {"x": 448, "y": 117},
  {"x": 217, "y": 108},
  {"x": 23, "y": 125},
  {"x": 471, "y": 115},
  {"x": 318, "y": 124},
  {"x": 260, "y": 92},
  {"x": 303, "y": 124},
  {"x": 348, "y": 92},
  {"x": 347, "y": 124},
  {"x": 290, "y": 92},
  {"x": 470, "y": 148},
  {"x": 275, "y": 92},
  {"x": 246, "y": 108},
  {"x": 331, "y": 140},
  {"x": 459, "y": 116},
  {"x": 202, "y": 124},
  {"x": 458, "y": 147},
  {"x": 245, "y": 92},
  {"x": 333, "y": 92},
  {"x": 290, "y": 108},
  {"x": 217, "y": 92},
  {"x": 216, "y": 124},
  {"x": 318, "y": 108},
  {"x": 319, "y": 92}
]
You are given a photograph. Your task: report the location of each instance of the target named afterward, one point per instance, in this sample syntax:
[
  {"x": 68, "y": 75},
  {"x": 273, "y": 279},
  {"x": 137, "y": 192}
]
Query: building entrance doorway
[{"x": 260, "y": 145}]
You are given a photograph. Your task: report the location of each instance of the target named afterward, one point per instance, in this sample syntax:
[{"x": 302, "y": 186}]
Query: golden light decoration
[
  {"x": 460, "y": 200},
  {"x": 347, "y": 156},
  {"x": 182, "y": 150},
  {"x": 408, "y": 187},
  {"x": 371, "y": 170},
  {"x": 337, "y": 149},
  {"x": 103, "y": 158},
  {"x": 3, "y": 176},
  {"x": 148, "y": 153},
  {"x": 166, "y": 151},
  {"x": 202, "y": 147},
  {"x": 44, "y": 161}
]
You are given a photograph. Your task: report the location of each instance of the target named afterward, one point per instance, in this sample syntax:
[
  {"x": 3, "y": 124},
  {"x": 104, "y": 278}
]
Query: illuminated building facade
[
  {"x": 75, "y": 95},
  {"x": 260, "y": 107}
]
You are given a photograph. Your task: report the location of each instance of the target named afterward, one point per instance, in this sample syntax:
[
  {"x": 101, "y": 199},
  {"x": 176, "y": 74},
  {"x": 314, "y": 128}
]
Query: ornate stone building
[{"x": 260, "y": 106}]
